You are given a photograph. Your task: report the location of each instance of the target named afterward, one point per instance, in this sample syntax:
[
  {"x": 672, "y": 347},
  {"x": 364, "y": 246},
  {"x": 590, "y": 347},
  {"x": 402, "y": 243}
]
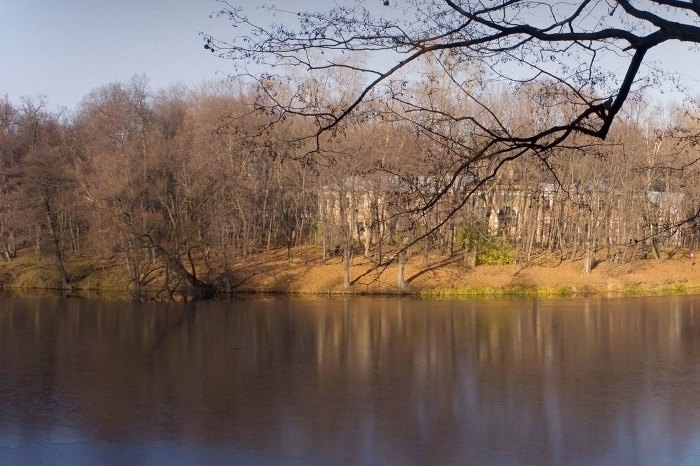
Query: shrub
[
  {"x": 495, "y": 251},
  {"x": 491, "y": 249}
]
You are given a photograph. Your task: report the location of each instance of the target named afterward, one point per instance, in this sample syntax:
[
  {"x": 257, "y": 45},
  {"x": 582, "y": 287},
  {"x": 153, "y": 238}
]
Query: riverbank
[
  {"x": 306, "y": 273},
  {"x": 440, "y": 277}
]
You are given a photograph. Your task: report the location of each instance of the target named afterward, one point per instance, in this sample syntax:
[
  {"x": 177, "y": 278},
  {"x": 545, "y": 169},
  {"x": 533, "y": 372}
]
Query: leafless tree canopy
[
  {"x": 494, "y": 130},
  {"x": 589, "y": 54}
]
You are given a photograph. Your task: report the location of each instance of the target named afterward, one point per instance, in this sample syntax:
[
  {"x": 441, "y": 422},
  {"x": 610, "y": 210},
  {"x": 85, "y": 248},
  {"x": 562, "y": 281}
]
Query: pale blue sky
[{"x": 64, "y": 48}]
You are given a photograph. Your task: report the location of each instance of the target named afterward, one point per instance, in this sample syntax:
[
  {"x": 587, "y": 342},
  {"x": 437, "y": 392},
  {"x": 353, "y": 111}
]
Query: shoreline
[
  {"x": 643, "y": 290},
  {"x": 305, "y": 273}
]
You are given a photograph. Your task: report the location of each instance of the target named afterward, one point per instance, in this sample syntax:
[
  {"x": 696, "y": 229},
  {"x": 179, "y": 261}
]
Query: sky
[{"x": 63, "y": 49}]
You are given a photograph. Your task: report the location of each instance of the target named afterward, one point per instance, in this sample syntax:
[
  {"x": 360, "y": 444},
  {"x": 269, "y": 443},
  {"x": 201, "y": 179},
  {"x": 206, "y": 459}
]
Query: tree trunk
[
  {"x": 426, "y": 259},
  {"x": 368, "y": 241},
  {"x": 347, "y": 258},
  {"x": 474, "y": 256},
  {"x": 200, "y": 289},
  {"x": 589, "y": 256},
  {"x": 56, "y": 243},
  {"x": 655, "y": 249},
  {"x": 400, "y": 281},
  {"x": 324, "y": 243},
  {"x": 5, "y": 247},
  {"x": 37, "y": 241}
]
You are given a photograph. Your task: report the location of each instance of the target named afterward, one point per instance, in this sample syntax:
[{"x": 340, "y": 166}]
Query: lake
[{"x": 350, "y": 381}]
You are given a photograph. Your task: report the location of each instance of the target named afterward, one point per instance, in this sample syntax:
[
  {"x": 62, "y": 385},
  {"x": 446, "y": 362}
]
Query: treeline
[{"x": 175, "y": 184}]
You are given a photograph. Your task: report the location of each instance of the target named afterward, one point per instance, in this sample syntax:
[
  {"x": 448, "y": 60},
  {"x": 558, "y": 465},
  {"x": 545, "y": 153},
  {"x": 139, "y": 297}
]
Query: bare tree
[{"x": 566, "y": 46}]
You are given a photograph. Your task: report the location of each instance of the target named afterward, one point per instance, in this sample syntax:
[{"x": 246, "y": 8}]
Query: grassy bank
[
  {"x": 548, "y": 291},
  {"x": 433, "y": 277},
  {"x": 439, "y": 277},
  {"x": 27, "y": 273}
]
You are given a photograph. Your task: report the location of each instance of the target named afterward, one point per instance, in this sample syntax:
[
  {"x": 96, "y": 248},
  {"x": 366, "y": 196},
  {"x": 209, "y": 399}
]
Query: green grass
[
  {"x": 484, "y": 291},
  {"x": 637, "y": 289},
  {"x": 36, "y": 275},
  {"x": 670, "y": 288}
]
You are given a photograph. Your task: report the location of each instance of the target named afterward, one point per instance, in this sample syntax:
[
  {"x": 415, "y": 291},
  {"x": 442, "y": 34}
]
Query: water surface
[{"x": 333, "y": 381}]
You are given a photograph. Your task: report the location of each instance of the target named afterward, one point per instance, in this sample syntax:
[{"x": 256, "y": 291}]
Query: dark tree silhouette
[
  {"x": 587, "y": 54},
  {"x": 445, "y": 68}
]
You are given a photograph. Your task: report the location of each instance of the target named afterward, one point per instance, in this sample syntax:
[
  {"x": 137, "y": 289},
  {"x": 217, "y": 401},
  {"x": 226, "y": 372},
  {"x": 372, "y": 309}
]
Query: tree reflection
[{"x": 375, "y": 380}]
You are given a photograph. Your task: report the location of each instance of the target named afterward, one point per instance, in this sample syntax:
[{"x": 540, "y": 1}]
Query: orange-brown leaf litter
[{"x": 305, "y": 272}]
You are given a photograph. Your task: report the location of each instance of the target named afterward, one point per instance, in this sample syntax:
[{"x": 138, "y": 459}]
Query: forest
[
  {"x": 494, "y": 132},
  {"x": 172, "y": 185}
]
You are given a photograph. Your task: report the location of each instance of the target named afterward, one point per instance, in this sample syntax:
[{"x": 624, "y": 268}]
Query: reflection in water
[{"x": 363, "y": 381}]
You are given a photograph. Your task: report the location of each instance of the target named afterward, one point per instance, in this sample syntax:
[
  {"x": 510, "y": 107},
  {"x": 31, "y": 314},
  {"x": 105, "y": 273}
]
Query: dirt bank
[{"x": 305, "y": 272}]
